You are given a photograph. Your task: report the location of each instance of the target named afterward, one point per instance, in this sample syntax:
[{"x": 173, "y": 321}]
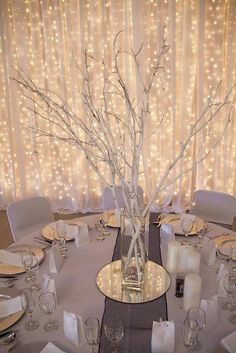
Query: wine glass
[
  {"x": 27, "y": 262},
  {"x": 105, "y": 220},
  {"x": 190, "y": 334},
  {"x": 114, "y": 330},
  {"x": 61, "y": 234},
  {"x": 199, "y": 315},
  {"x": 99, "y": 228},
  {"x": 229, "y": 283},
  {"x": 200, "y": 230},
  {"x": 35, "y": 271},
  {"x": 28, "y": 304},
  {"x": 224, "y": 252},
  {"x": 92, "y": 332},
  {"x": 47, "y": 303},
  {"x": 186, "y": 223}
]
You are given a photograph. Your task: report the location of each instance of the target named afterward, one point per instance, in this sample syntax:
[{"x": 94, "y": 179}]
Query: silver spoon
[{"x": 8, "y": 339}]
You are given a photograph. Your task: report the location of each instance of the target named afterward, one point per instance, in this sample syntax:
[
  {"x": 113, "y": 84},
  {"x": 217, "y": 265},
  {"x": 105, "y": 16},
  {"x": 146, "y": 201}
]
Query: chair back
[
  {"x": 108, "y": 202},
  {"x": 29, "y": 216},
  {"x": 214, "y": 206}
]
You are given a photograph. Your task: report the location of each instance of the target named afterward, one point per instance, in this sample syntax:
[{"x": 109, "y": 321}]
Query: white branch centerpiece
[{"x": 113, "y": 140}]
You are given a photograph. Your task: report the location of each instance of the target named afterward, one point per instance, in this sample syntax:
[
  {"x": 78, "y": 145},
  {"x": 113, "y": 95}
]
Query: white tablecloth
[{"x": 77, "y": 292}]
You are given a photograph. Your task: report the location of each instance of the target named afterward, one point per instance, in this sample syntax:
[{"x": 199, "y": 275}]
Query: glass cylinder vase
[{"x": 134, "y": 248}]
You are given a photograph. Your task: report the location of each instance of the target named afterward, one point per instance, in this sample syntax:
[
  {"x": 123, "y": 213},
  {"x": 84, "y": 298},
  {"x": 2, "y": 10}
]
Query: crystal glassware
[
  {"x": 99, "y": 228},
  {"x": 28, "y": 304},
  {"x": 200, "y": 225},
  {"x": 105, "y": 220},
  {"x": 114, "y": 330},
  {"x": 27, "y": 262},
  {"x": 61, "y": 234},
  {"x": 47, "y": 303},
  {"x": 190, "y": 334},
  {"x": 224, "y": 251},
  {"x": 229, "y": 283},
  {"x": 199, "y": 315},
  {"x": 35, "y": 271},
  {"x": 92, "y": 332},
  {"x": 186, "y": 223}
]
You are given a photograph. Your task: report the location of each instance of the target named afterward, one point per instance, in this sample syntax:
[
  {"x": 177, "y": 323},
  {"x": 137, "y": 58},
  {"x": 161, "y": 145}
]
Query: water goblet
[
  {"x": 200, "y": 230},
  {"x": 186, "y": 223},
  {"x": 61, "y": 234},
  {"x": 35, "y": 271},
  {"x": 27, "y": 262},
  {"x": 28, "y": 304},
  {"x": 105, "y": 220},
  {"x": 92, "y": 332},
  {"x": 99, "y": 228},
  {"x": 190, "y": 334},
  {"x": 224, "y": 251},
  {"x": 114, "y": 330},
  {"x": 229, "y": 283},
  {"x": 199, "y": 315},
  {"x": 47, "y": 303}
]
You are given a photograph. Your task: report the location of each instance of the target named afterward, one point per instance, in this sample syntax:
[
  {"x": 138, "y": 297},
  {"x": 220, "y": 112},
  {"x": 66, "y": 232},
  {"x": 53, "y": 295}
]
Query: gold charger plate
[
  {"x": 6, "y": 322},
  {"x": 157, "y": 282},
  {"x": 113, "y": 222},
  {"x": 174, "y": 220},
  {"x": 6, "y": 269},
  {"x": 228, "y": 240},
  {"x": 50, "y": 233}
]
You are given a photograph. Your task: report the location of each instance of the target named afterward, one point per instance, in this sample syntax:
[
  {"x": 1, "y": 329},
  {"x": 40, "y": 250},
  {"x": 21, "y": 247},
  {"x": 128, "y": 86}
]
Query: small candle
[
  {"x": 184, "y": 251},
  {"x": 172, "y": 256},
  {"x": 192, "y": 290},
  {"x": 193, "y": 261}
]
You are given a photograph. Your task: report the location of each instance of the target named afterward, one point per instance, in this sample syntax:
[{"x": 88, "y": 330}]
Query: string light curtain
[{"x": 46, "y": 39}]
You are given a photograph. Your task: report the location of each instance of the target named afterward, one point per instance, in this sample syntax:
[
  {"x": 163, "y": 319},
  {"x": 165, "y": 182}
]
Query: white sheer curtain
[{"x": 44, "y": 36}]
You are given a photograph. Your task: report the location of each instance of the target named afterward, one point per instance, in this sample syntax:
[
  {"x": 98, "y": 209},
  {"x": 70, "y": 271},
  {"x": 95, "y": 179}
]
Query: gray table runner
[{"x": 137, "y": 318}]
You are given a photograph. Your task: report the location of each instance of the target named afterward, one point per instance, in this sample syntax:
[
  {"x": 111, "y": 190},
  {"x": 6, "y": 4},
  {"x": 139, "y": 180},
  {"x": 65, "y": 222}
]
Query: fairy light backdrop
[{"x": 44, "y": 36}]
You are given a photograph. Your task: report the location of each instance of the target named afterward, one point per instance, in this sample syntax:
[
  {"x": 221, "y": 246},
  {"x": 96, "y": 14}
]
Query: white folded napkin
[
  {"x": 51, "y": 348},
  {"x": 10, "y": 306},
  {"x": 55, "y": 258},
  {"x": 211, "y": 308},
  {"x": 208, "y": 251},
  {"x": 82, "y": 236},
  {"x": 220, "y": 280},
  {"x": 163, "y": 337},
  {"x": 70, "y": 230},
  {"x": 10, "y": 258},
  {"x": 166, "y": 233},
  {"x": 74, "y": 329},
  {"x": 49, "y": 286},
  {"x": 229, "y": 342}
]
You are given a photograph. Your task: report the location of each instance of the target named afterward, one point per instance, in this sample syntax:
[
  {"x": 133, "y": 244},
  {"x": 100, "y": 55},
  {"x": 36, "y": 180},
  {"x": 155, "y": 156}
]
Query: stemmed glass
[
  {"x": 47, "y": 303},
  {"x": 104, "y": 220},
  {"x": 199, "y": 315},
  {"x": 92, "y": 332},
  {"x": 27, "y": 262},
  {"x": 28, "y": 304},
  {"x": 200, "y": 230},
  {"x": 35, "y": 271},
  {"x": 190, "y": 334},
  {"x": 61, "y": 233},
  {"x": 224, "y": 251},
  {"x": 114, "y": 330},
  {"x": 229, "y": 283},
  {"x": 99, "y": 228},
  {"x": 186, "y": 223}
]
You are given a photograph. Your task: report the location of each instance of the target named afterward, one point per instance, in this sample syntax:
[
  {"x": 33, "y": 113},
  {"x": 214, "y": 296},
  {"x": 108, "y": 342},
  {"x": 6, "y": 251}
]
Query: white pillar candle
[
  {"x": 172, "y": 256},
  {"x": 192, "y": 290},
  {"x": 193, "y": 261},
  {"x": 184, "y": 250}
]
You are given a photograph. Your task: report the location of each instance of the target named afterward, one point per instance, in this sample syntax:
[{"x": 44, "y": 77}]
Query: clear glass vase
[{"x": 134, "y": 248}]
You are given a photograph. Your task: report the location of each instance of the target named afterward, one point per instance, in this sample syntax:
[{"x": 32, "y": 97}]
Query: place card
[
  {"x": 55, "y": 258},
  {"x": 51, "y": 348},
  {"x": 49, "y": 286},
  {"x": 82, "y": 237},
  {"x": 167, "y": 233},
  {"x": 74, "y": 329}
]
